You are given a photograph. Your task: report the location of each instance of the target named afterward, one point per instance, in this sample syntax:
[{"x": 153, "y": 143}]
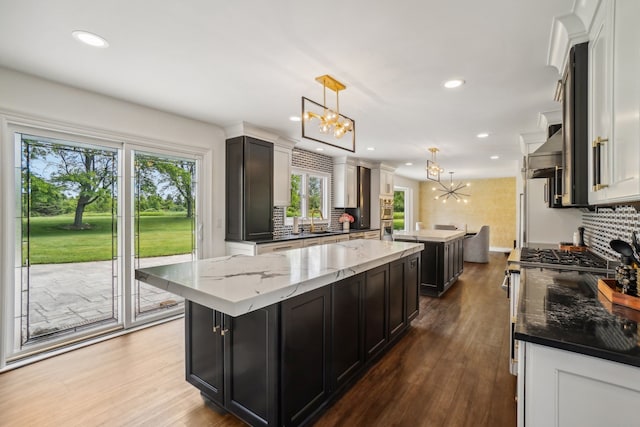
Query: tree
[
  {"x": 87, "y": 173},
  {"x": 44, "y": 197},
  {"x": 176, "y": 176}
]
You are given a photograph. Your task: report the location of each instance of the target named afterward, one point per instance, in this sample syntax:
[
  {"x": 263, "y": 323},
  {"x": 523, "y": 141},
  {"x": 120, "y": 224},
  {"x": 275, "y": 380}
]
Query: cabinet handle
[
  {"x": 546, "y": 192},
  {"x": 597, "y": 163},
  {"x": 215, "y": 328},
  {"x": 224, "y": 332},
  {"x": 282, "y": 248}
]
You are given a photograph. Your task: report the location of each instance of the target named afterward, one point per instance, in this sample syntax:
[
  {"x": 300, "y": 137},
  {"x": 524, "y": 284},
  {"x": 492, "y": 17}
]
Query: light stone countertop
[
  {"x": 429, "y": 235},
  {"x": 239, "y": 284}
]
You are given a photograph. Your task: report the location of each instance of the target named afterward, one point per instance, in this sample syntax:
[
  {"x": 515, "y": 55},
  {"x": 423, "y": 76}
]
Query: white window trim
[
  {"x": 326, "y": 212},
  {"x": 408, "y": 206}
]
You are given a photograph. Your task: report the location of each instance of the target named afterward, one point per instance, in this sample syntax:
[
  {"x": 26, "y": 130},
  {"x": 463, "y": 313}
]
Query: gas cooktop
[{"x": 554, "y": 258}]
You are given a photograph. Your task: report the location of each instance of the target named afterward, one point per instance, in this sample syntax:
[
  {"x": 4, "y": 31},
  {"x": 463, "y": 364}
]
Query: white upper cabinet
[
  {"x": 282, "y": 173},
  {"x": 381, "y": 182},
  {"x": 386, "y": 183},
  {"x": 614, "y": 103},
  {"x": 345, "y": 192}
]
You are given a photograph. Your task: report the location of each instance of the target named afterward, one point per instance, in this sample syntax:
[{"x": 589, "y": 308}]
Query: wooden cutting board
[{"x": 569, "y": 247}]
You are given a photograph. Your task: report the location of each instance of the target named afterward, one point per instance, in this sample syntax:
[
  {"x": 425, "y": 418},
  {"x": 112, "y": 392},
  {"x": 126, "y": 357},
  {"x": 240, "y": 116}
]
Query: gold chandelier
[
  {"x": 453, "y": 190},
  {"x": 330, "y": 121},
  {"x": 433, "y": 168}
]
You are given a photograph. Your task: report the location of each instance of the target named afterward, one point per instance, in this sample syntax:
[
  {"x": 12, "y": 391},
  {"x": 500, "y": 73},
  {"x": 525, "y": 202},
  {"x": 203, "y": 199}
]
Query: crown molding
[{"x": 548, "y": 118}]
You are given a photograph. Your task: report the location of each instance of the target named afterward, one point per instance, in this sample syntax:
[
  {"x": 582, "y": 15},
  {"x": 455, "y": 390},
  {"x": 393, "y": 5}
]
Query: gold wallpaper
[{"x": 492, "y": 203}]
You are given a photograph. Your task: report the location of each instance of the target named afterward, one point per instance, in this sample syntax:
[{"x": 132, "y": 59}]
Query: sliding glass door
[
  {"x": 75, "y": 253},
  {"x": 165, "y": 220},
  {"x": 69, "y": 264}
]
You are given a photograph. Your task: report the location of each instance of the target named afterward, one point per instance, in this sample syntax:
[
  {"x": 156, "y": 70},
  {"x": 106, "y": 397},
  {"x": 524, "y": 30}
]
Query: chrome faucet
[{"x": 313, "y": 228}]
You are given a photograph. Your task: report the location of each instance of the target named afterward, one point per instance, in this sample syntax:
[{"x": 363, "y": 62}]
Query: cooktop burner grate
[{"x": 556, "y": 258}]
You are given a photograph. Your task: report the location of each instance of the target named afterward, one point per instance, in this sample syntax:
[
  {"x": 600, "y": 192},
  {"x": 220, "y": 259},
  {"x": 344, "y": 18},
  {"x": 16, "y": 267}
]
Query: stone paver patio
[{"x": 64, "y": 296}]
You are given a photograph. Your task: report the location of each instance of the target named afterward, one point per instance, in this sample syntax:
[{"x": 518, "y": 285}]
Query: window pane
[
  {"x": 398, "y": 210},
  {"x": 69, "y": 247},
  {"x": 315, "y": 191},
  {"x": 295, "y": 209},
  {"x": 164, "y": 223}
]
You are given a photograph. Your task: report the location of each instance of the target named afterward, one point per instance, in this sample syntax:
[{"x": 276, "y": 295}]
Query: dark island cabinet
[
  {"x": 376, "y": 316},
  {"x": 346, "y": 329},
  {"x": 204, "y": 364},
  {"x": 397, "y": 297},
  {"x": 305, "y": 354},
  {"x": 233, "y": 360},
  {"x": 412, "y": 287},
  {"x": 441, "y": 265},
  {"x": 249, "y": 189},
  {"x": 284, "y": 364}
]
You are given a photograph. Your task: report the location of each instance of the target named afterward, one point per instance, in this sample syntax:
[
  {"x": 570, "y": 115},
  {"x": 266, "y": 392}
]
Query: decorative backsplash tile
[
  {"x": 606, "y": 224},
  {"x": 311, "y": 161}
]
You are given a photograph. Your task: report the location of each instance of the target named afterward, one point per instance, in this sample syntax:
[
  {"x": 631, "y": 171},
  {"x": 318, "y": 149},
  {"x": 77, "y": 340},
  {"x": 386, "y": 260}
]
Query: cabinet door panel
[
  {"x": 304, "y": 352},
  {"x": 250, "y": 344},
  {"x": 412, "y": 286},
  {"x": 204, "y": 350},
  {"x": 258, "y": 187},
  {"x": 397, "y": 316},
  {"x": 346, "y": 327},
  {"x": 375, "y": 310}
]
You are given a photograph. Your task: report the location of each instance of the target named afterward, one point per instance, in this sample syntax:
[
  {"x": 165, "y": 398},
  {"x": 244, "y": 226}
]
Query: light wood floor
[{"x": 450, "y": 369}]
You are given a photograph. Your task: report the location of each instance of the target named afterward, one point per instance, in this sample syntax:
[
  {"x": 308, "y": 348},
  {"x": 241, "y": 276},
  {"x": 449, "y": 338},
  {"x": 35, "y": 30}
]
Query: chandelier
[
  {"x": 453, "y": 190},
  {"x": 433, "y": 168},
  {"x": 329, "y": 121}
]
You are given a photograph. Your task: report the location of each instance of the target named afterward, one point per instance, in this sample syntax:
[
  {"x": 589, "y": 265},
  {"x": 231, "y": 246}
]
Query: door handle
[
  {"x": 224, "y": 332},
  {"x": 597, "y": 163}
]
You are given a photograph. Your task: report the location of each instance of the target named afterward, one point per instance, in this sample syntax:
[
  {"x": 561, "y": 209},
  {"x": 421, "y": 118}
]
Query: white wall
[
  {"x": 414, "y": 188},
  {"x": 547, "y": 225},
  {"x": 29, "y": 100}
]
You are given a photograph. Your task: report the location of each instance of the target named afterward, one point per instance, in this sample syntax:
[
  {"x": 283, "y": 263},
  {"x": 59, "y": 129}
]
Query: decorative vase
[{"x": 345, "y": 226}]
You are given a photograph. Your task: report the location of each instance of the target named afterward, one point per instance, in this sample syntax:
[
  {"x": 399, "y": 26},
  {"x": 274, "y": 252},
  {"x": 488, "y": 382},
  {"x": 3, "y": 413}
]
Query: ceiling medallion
[
  {"x": 323, "y": 124},
  {"x": 453, "y": 190}
]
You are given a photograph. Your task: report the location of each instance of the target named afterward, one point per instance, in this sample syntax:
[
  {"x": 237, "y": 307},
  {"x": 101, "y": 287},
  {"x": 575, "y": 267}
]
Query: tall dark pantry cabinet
[{"x": 249, "y": 198}]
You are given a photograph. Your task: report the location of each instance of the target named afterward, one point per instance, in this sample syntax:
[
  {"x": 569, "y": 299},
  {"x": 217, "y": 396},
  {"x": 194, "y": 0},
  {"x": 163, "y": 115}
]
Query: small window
[{"x": 309, "y": 193}]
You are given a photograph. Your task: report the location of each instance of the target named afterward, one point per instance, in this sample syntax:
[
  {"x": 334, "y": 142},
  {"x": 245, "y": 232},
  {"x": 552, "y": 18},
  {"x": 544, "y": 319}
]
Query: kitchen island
[
  {"x": 442, "y": 257},
  {"x": 276, "y": 338},
  {"x": 578, "y": 355}
]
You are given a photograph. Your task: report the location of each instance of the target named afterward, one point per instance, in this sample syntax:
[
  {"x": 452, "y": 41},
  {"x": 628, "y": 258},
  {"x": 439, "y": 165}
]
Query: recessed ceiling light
[
  {"x": 90, "y": 39},
  {"x": 450, "y": 84},
  {"x": 494, "y": 157},
  {"x": 482, "y": 135},
  {"x": 294, "y": 118},
  {"x": 408, "y": 164},
  {"x": 371, "y": 149},
  {"x": 319, "y": 149}
]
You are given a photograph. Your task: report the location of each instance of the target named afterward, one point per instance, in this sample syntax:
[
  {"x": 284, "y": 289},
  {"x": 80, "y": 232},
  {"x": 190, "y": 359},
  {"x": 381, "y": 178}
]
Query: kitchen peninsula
[
  {"x": 275, "y": 338},
  {"x": 442, "y": 257}
]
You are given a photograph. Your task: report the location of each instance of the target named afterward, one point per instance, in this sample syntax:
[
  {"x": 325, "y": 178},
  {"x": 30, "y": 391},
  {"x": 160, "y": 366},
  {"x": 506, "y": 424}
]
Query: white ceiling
[{"x": 251, "y": 60}]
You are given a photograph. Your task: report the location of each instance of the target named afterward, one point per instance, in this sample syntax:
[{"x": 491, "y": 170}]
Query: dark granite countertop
[
  {"x": 563, "y": 309},
  {"x": 308, "y": 235}
]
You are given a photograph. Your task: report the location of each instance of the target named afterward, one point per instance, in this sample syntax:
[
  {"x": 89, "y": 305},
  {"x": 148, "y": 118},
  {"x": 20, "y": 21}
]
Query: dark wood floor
[{"x": 450, "y": 369}]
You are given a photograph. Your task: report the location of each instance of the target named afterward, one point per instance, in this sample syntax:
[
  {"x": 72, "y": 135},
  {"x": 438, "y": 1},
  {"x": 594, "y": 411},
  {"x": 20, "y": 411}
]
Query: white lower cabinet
[
  {"x": 567, "y": 389},
  {"x": 372, "y": 235},
  {"x": 267, "y": 248},
  {"x": 242, "y": 248}
]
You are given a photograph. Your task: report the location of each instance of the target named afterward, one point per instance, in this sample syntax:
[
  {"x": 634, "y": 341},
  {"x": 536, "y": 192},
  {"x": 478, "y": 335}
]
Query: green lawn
[
  {"x": 398, "y": 220},
  {"x": 51, "y": 240}
]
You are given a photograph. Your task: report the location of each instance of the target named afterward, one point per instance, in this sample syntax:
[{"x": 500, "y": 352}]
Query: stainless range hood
[{"x": 543, "y": 162}]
